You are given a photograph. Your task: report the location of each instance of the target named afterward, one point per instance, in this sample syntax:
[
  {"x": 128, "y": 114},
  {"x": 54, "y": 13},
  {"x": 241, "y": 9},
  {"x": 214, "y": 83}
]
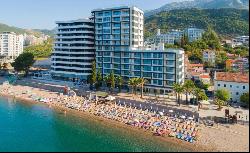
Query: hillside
[
  {"x": 226, "y": 22},
  {"x": 201, "y": 4},
  {"x": 36, "y": 32}
]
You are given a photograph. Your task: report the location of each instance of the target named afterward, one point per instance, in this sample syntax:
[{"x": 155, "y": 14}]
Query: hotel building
[
  {"x": 117, "y": 30},
  {"x": 11, "y": 45},
  {"x": 74, "y": 50},
  {"x": 114, "y": 38}
]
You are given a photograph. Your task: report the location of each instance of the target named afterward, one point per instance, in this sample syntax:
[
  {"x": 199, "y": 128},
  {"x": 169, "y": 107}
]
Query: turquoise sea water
[{"x": 35, "y": 127}]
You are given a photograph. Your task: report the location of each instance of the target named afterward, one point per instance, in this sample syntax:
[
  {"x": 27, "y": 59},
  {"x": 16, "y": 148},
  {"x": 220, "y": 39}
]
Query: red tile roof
[
  {"x": 204, "y": 76},
  {"x": 232, "y": 77},
  {"x": 196, "y": 65}
]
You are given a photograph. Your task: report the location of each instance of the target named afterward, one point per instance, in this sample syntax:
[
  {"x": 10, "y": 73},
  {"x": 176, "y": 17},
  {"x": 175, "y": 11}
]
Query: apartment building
[
  {"x": 116, "y": 31},
  {"x": 193, "y": 34},
  {"x": 175, "y": 35},
  {"x": 209, "y": 56},
  {"x": 74, "y": 50},
  {"x": 11, "y": 45}
]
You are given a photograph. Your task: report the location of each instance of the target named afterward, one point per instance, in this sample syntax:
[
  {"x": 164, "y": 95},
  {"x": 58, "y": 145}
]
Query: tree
[
  {"x": 220, "y": 60},
  {"x": 112, "y": 81},
  {"x": 93, "y": 76},
  {"x": 99, "y": 80},
  {"x": 43, "y": 50},
  {"x": 178, "y": 88},
  {"x": 219, "y": 103},
  {"x": 184, "y": 41},
  {"x": 142, "y": 82},
  {"x": 23, "y": 62},
  {"x": 107, "y": 80},
  {"x": 188, "y": 88},
  {"x": 244, "y": 98},
  {"x": 119, "y": 81},
  {"x": 211, "y": 39},
  {"x": 222, "y": 94},
  {"x": 134, "y": 82}
]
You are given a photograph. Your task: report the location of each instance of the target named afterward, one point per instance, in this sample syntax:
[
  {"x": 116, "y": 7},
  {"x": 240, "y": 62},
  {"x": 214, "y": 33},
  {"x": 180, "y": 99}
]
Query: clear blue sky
[{"x": 42, "y": 14}]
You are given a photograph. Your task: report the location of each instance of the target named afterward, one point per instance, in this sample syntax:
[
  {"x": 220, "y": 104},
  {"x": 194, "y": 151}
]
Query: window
[
  {"x": 231, "y": 86},
  {"x": 218, "y": 85},
  {"x": 237, "y": 93},
  {"x": 225, "y": 85},
  {"x": 244, "y": 87}
]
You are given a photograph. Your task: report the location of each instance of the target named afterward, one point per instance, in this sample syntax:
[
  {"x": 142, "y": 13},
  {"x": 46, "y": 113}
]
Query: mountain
[
  {"x": 36, "y": 32},
  {"x": 226, "y": 22},
  {"x": 201, "y": 4},
  {"x": 46, "y": 31}
]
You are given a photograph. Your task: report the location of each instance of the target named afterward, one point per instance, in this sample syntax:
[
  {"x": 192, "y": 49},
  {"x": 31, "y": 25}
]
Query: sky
[{"x": 42, "y": 14}]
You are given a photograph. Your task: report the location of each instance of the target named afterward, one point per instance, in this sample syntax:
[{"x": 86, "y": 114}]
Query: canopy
[
  {"x": 171, "y": 111},
  {"x": 205, "y": 102},
  {"x": 110, "y": 98}
]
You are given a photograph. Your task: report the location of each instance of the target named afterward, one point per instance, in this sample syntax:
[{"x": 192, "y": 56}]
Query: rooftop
[
  {"x": 232, "y": 77},
  {"x": 116, "y": 8},
  {"x": 73, "y": 21},
  {"x": 196, "y": 65}
]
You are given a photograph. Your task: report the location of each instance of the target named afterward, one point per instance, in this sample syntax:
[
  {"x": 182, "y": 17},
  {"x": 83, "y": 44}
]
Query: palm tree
[
  {"x": 119, "y": 81},
  {"x": 134, "y": 82},
  {"x": 142, "y": 81},
  {"x": 188, "y": 88},
  {"x": 178, "y": 88},
  {"x": 112, "y": 81},
  {"x": 131, "y": 82},
  {"x": 107, "y": 80}
]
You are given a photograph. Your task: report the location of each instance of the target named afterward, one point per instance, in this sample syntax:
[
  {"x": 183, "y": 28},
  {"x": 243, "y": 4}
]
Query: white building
[
  {"x": 74, "y": 50},
  {"x": 168, "y": 38},
  {"x": 175, "y": 35},
  {"x": 194, "y": 34},
  {"x": 11, "y": 45},
  {"x": 236, "y": 83},
  {"x": 241, "y": 40},
  {"x": 117, "y": 30},
  {"x": 209, "y": 56}
]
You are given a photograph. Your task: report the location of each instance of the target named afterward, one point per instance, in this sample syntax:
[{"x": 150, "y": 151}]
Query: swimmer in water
[{"x": 65, "y": 112}]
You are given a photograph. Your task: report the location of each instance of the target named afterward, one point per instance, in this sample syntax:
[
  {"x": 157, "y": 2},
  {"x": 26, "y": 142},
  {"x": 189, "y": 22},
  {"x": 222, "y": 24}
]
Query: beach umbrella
[
  {"x": 157, "y": 124},
  {"x": 136, "y": 120},
  {"x": 190, "y": 118},
  {"x": 171, "y": 111},
  {"x": 161, "y": 113},
  {"x": 183, "y": 117}
]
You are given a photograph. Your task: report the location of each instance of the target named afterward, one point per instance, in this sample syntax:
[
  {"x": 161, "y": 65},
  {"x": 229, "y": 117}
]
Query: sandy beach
[{"x": 211, "y": 139}]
